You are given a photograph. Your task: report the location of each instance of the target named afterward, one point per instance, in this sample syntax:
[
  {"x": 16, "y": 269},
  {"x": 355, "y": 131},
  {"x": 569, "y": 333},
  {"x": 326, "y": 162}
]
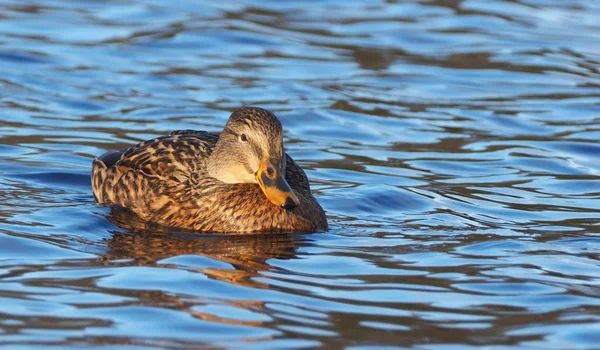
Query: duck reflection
[{"x": 146, "y": 244}]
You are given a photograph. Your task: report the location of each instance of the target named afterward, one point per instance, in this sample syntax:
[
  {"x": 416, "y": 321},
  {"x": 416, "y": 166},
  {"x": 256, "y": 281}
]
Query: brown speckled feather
[{"x": 165, "y": 181}]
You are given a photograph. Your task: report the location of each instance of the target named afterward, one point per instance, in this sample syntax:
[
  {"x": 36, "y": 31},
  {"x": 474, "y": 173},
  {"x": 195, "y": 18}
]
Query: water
[{"x": 453, "y": 144}]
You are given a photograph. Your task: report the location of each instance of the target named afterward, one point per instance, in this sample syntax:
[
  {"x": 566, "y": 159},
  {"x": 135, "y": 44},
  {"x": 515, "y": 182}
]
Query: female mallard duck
[{"x": 238, "y": 181}]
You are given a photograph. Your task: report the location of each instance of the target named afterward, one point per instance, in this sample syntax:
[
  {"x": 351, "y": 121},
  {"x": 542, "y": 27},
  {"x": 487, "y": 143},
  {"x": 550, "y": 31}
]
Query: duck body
[{"x": 206, "y": 182}]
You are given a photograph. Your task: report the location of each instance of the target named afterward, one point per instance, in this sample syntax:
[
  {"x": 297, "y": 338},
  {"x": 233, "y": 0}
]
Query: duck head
[{"x": 250, "y": 150}]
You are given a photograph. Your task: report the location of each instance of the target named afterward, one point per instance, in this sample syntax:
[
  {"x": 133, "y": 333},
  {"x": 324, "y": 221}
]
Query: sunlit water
[{"x": 453, "y": 144}]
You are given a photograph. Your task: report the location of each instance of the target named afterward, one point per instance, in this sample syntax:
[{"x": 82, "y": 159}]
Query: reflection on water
[
  {"x": 147, "y": 244},
  {"x": 248, "y": 255},
  {"x": 240, "y": 260},
  {"x": 453, "y": 145}
]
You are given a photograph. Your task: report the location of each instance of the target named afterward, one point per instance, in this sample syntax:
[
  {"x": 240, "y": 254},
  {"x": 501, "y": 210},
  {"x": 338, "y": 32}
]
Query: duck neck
[{"x": 226, "y": 167}]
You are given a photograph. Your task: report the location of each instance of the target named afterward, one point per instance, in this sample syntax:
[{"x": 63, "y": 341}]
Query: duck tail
[{"x": 99, "y": 174}]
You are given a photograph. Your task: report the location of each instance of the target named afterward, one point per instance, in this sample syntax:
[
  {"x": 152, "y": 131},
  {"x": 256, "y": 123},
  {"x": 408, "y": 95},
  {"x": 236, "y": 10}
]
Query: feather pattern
[{"x": 165, "y": 181}]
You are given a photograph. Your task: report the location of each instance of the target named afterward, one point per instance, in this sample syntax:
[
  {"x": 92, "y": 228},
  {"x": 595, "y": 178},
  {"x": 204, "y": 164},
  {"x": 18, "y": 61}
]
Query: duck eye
[{"x": 244, "y": 138}]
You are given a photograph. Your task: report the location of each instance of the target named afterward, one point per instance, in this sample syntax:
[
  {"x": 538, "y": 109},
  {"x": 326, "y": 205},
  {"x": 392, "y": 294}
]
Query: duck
[{"x": 238, "y": 181}]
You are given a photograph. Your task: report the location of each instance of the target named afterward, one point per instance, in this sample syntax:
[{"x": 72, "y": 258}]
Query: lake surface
[{"x": 453, "y": 144}]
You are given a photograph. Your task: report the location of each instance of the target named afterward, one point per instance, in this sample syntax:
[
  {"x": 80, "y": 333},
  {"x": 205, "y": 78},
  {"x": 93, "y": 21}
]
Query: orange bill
[{"x": 273, "y": 184}]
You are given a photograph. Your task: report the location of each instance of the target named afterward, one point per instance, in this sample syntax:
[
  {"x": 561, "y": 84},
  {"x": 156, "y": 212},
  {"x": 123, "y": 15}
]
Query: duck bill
[{"x": 272, "y": 182}]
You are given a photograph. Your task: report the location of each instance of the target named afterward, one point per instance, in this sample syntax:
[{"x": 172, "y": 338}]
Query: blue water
[{"x": 453, "y": 144}]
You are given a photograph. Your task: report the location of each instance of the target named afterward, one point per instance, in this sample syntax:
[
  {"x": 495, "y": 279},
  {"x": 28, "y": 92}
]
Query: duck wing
[
  {"x": 138, "y": 175},
  {"x": 295, "y": 176}
]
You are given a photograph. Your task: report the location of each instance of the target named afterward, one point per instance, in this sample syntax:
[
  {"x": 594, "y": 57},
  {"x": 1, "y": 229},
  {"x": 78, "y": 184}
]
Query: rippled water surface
[{"x": 453, "y": 144}]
